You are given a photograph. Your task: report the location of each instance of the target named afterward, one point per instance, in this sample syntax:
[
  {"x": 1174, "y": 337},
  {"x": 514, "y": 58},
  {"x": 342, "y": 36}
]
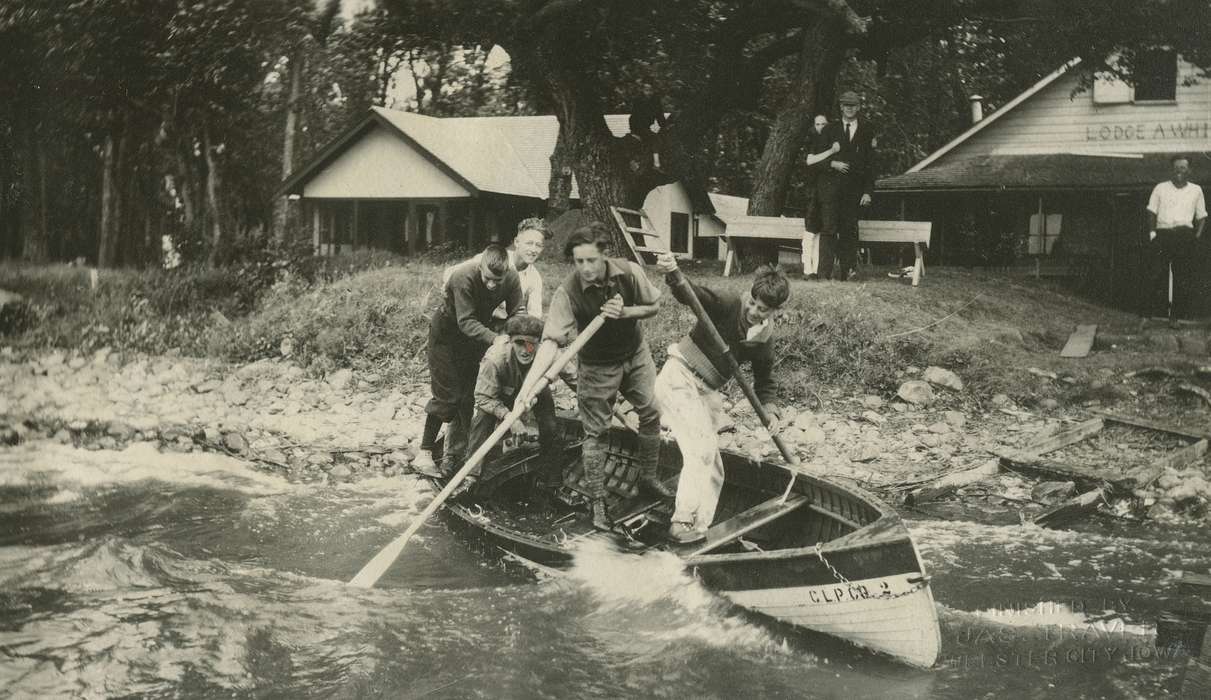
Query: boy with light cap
[{"x": 501, "y": 374}]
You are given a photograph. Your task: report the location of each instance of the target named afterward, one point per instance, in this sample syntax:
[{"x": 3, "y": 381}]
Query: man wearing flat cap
[{"x": 853, "y": 173}]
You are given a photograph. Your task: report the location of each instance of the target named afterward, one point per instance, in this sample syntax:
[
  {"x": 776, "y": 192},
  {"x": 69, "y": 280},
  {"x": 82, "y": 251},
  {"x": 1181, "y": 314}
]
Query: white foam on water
[
  {"x": 648, "y": 603},
  {"x": 42, "y": 462}
]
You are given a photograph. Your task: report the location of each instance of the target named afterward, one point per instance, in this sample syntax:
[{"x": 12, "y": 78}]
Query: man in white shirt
[{"x": 1177, "y": 212}]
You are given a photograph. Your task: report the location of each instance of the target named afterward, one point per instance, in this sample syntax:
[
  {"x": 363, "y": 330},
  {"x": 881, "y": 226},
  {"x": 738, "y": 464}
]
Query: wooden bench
[
  {"x": 914, "y": 232},
  {"x": 743, "y": 523}
]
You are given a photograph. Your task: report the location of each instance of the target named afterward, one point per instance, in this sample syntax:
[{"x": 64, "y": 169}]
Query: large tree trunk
[
  {"x": 213, "y": 205},
  {"x": 33, "y": 206},
  {"x": 281, "y": 206},
  {"x": 559, "y": 187},
  {"x": 811, "y": 93},
  {"x": 107, "y": 244}
]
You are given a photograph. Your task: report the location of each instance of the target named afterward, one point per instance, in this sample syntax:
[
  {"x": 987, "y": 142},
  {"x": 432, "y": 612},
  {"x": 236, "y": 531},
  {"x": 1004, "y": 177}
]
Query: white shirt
[
  {"x": 1177, "y": 206},
  {"x": 531, "y": 285},
  {"x": 849, "y": 128}
]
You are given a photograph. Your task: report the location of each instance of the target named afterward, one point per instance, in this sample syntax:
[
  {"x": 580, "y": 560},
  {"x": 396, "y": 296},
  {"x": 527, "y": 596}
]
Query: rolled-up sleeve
[{"x": 560, "y": 325}]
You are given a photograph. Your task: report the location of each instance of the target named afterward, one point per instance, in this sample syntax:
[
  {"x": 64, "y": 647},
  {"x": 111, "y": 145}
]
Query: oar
[
  {"x": 371, "y": 572},
  {"x": 696, "y": 305}
]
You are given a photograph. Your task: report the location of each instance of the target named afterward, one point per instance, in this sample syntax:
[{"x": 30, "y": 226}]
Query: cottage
[
  {"x": 1060, "y": 175},
  {"x": 402, "y": 181}
]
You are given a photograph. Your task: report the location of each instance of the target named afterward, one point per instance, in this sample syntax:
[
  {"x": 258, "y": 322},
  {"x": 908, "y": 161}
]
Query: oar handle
[
  {"x": 373, "y": 571},
  {"x": 696, "y": 306}
]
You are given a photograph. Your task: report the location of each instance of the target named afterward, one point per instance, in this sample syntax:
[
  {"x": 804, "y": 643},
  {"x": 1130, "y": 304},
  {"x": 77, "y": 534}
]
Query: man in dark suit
[{"x": 853, "y": 173}]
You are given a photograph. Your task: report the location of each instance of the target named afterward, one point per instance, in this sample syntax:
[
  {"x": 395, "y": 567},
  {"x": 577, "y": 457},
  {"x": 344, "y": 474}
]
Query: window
[
  {"x": 1044, "y": 231},
  {"x": 679, "y": 232},
  {"x": 1155, "y": 75}
]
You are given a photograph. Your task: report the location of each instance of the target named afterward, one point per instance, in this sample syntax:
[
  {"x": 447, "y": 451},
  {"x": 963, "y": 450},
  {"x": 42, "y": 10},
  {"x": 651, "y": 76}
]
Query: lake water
[{"x": 140, "y": 574}]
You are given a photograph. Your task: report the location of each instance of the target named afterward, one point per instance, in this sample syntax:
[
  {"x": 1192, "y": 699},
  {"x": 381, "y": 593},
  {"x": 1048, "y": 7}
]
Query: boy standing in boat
[
  {"x": 458, "y": 337},
  {"x": 688, "y": 385},
  {"x": 501, "y": 374},
  {"x": 616, "y": 361}
]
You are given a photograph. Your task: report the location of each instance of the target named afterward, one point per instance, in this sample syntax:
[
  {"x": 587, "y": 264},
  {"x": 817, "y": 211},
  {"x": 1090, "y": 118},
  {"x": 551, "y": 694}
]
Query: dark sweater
[{"x": 726, "y": 311}]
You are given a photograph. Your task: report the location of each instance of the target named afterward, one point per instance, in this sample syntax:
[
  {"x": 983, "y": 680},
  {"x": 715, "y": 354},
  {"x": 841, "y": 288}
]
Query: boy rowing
[
  {"x": 696, "y": 369},
  {"x": 615, "y": 361}
]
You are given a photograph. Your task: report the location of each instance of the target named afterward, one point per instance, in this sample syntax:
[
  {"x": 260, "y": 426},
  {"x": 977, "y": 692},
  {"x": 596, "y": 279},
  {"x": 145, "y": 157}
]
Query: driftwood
[
  {"x": 1196, "y": 390},
  {"x": 952, "y": 481},
  {"x": 1154, "y": 372},
  {"x": 1143, "y": 476},
  {"x": 1064, "y": 438},
  {"x": 1072, "y": 508},
  {"x": 1154, "y": 425}
]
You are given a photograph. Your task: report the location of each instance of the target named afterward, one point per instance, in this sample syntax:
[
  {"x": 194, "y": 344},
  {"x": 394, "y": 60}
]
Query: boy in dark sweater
[
  {"x": 459, "y": 334},
  {"x": 688, "y": 385}
]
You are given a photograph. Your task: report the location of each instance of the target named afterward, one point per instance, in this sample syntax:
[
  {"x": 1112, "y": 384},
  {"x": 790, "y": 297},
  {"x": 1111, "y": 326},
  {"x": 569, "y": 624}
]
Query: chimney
[{"x": 977, "y": 108}]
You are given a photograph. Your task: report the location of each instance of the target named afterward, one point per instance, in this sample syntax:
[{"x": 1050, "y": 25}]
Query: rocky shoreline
[{"x": 347, "y": 426}]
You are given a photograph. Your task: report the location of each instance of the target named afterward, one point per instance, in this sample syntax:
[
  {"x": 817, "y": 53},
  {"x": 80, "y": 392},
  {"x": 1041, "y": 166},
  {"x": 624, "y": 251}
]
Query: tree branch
[{"x": 837, "y": 9}]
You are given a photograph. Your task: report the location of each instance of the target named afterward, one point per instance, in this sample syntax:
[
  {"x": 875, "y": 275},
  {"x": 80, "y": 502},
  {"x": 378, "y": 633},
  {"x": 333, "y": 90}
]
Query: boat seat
[
  {"x": 745, "y": 522},
  {"x": 621, "y": 477}
]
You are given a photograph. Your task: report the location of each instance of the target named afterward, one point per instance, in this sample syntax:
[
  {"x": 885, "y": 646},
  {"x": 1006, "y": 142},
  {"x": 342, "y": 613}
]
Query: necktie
[{"x": 849, "y": 131}]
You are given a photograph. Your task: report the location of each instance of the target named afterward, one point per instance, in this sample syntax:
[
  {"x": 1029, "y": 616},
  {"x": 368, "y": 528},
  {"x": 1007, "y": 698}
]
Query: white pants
[
  {"x": 689, "y": 408},
  {"x": 811, "y": 252}
]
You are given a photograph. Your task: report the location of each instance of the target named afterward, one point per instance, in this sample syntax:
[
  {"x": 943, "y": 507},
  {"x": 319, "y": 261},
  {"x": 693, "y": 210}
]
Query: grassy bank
[{"x": 371, "y": 313}]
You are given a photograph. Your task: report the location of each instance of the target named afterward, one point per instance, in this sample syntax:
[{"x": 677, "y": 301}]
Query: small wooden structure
[{"x": 914, "y": 232}]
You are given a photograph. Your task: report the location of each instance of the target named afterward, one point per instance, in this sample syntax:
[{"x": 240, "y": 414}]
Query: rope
[{"x": 931, "y": 325}]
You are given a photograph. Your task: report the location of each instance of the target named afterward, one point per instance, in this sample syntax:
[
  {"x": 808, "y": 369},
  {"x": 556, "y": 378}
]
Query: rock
[
  {"x": 340, "y": 379},
  {"x": 235, "y": 442},
  {"x": 120, "y": 430},
  {"x": 286, "y": 347},
  {"x": 805, "y": 421},
  {"x": 873, "y": 418},
  {"x": 912, "y": 370},
  {"x": 77, "y": 362},
  {"x": 234, "y": 395},
  {"x": 1049, "y": 404},
  {"x": 62, "y": 436},
  {"x": 212, "y": 435},
  {"x": 399, "y": 458},
  {"x": 872, "y": 402},
  {"x": 340, "y": 471},
  {"x": 943, "y": 377},
  {"x": 867, "y": 453},
  {"x": 899, "y": 407},
  {"x": 372, "y": 378},
  {"x": 813, "y": 435},
  {"x": 1000, "y": 400},
  {"x": 930, "y": 440},
  {"x": 956, "y": 419},
  {"x": 78, "y": 426},
  {"x": 916, "y": 392},
  {"x": 1053, "y": 491},
  {"x": 940, "y": 428}
]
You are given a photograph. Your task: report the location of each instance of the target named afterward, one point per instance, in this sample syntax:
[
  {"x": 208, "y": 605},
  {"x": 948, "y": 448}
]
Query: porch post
[
  {"x": 315, "y": 226},
  {"x": 443, "y": 220},
  {"x": 353, "y": 234},
  {"x": 472, "y": 219},
  {"x": 410, "y": 229}
]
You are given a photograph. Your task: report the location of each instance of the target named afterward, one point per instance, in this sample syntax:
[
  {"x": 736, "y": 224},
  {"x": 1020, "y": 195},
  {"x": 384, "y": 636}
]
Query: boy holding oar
[
  {"x": 688, "y": 385},
  {"x": 615, "y": 361}
]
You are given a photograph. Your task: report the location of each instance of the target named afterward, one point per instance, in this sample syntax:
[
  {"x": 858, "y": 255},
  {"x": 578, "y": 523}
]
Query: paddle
[
  {"x": 371, "y": 572},
  {"x": 696, "y": 306}
]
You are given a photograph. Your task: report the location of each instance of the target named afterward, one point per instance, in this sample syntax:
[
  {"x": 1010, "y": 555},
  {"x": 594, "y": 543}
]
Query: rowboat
[{"x": 830, "y": 557}]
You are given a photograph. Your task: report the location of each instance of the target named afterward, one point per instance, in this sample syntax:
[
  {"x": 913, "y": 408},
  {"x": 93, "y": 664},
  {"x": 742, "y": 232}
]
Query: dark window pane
[
  {"x": 1155, "y": 75},
  {"x": 679, "y": 232}
]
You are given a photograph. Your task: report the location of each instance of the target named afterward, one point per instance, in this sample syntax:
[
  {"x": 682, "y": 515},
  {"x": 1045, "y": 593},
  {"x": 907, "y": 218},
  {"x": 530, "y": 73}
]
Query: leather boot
[
  {"x": 593, "y": 455},
  {"x": 601, "y": 519},
  {"x": 649, "y": 472}
]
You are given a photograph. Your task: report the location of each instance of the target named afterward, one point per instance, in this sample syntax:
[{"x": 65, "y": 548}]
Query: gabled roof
[
  {"x": 987, "y": 121},
  {"x": 503, "y": 155},
  {"x": 1049, "y": 171}
]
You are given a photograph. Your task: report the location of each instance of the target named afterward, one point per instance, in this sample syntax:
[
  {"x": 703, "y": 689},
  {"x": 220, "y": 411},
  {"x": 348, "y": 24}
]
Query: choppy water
[{"x": 140, "y": 574}]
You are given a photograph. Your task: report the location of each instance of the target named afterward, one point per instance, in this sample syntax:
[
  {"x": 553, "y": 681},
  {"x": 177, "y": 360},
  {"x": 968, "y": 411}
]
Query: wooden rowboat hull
[{"x": 842, "y": 563}]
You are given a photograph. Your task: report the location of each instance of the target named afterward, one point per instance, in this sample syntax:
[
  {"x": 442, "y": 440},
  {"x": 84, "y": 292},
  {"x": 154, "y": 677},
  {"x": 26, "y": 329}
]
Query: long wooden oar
[
  {"x": 696, "y": 306},
  {"x": 371, "y": 572}
]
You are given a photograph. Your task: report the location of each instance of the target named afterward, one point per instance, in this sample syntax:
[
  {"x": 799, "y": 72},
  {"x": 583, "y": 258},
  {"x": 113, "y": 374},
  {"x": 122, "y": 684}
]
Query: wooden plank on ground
[
  {"x": 950, "y": 482},
  {"x": 1068, "y": 510},
  {"x": 1085, "y": 477},
  {"x": 1195, "y": 583},
  {"x": 1146, "y": 474},
  {"x": 1080, "y": 342},
  {"x": 1064, "y": 438},
  {"x": 1182, "y": 629},
  {"x": 743, "y": 523},
  {"x": 1153, "y": 425}
]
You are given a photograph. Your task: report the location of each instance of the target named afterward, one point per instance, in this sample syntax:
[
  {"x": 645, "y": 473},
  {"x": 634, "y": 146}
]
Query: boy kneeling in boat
[
  {"x": 501, "y": 373},
  {"x": 614, "y": 361},
  {"x": 687, "y": 388}
]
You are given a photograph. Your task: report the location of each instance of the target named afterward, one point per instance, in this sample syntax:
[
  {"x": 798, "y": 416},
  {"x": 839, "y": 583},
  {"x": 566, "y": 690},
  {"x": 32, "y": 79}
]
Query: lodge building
[{"x": 1059, "y": 177}]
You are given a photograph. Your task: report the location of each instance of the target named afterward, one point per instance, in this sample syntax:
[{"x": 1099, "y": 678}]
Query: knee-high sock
[
  {"x": 593, "y": 454},
  {"x": 649, "y": 455}
]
